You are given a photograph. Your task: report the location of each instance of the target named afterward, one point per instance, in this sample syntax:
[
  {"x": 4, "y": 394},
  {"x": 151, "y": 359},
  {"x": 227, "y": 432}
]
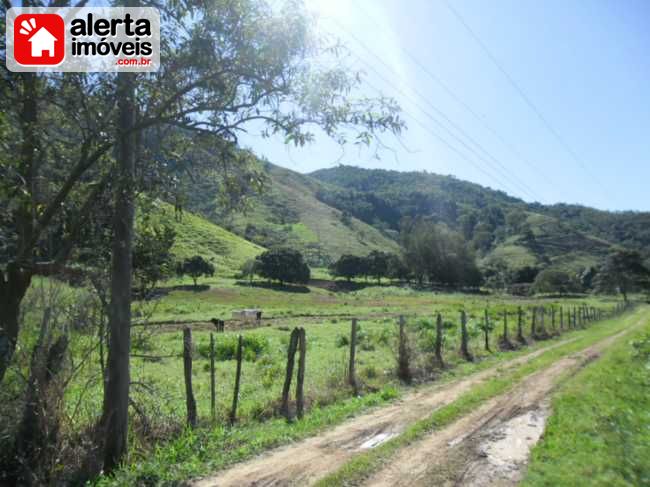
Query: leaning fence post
[
  {"x": 300, "y": 395},
  {"x": 352, "y": 376},
  {"x": 187, "y": 366},
  {"x": 293, "y": 342},
  {"x": 439, "y": 340},
  {"x": 464, "y": 349},
  {"x": 213, "y": 394},
  {"x": 235, "y": 397}
]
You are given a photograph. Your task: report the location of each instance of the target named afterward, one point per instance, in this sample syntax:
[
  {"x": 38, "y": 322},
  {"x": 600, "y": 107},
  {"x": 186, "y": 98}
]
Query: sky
[{"x": 548, "y": 101}]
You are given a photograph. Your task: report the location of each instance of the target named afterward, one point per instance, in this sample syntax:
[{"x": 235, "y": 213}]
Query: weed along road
[{"x": 392, "y": 445}]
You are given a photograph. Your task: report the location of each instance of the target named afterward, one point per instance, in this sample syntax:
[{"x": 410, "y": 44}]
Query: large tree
[
  {"x": 434, "y": 251},
  {"x": 283, "y": 265},
  {"x": 623, "y": 271},
  {"x": 227, "y": 67}
]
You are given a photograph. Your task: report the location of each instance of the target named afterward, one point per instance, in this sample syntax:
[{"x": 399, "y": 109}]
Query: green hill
[
  {"x": 197, "y": 236},
  {"x": 501, "y": 228},
  {"x": 289, "y": 213}
]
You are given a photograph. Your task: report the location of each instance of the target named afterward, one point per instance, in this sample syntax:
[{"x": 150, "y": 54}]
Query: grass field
[
  {"x": 600, "y": 426},
  {"x": 329, "y": 399},
  {"x": 364, "y": 464},
  {"x": 163, "y": 450}
]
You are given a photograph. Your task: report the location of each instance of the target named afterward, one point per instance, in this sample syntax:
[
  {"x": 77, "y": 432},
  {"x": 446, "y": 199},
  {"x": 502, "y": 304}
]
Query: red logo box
[{"x": 39, "y": 39}]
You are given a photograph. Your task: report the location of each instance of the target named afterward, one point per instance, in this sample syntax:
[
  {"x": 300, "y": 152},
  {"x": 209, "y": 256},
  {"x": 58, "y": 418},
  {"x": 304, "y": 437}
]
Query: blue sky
[{"x": 583, "y": 64}]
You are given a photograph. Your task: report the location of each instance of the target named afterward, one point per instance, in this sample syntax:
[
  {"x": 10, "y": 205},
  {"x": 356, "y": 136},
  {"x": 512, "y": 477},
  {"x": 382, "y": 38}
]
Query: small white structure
[
  {"x": 247, "y": 315},
  {"x": 42, "y": 42}
]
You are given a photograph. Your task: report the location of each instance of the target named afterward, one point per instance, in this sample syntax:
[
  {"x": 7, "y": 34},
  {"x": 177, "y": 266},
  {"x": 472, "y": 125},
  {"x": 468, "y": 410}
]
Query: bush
[{"x": 226, "y": 347}]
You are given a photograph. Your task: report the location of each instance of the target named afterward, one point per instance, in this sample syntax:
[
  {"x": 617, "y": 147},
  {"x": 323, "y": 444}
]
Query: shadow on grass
[
  {"x": 161, "y": 292},
  {"x": 274, "y": 286}
]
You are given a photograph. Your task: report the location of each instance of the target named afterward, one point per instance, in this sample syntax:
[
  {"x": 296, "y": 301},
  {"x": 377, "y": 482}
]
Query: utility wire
[
  {"x": 513, "y": 184},
  {"x": 457, "y": 98},
  {"x": 523, "y": 95},
  {"x": 431, "y": 132}
]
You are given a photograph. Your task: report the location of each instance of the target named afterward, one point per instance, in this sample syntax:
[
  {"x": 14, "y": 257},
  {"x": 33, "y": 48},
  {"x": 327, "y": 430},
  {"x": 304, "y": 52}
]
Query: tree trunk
[
  {"x": 116, "y": 394},
  {"x": 13, "y": 285},
  {"x": 190, "y": 402},
  {"x": 18, "y": 278}
]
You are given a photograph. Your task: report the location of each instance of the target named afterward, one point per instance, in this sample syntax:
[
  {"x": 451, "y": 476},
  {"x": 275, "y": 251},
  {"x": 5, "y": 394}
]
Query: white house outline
[{"x": 42, "y": 41}]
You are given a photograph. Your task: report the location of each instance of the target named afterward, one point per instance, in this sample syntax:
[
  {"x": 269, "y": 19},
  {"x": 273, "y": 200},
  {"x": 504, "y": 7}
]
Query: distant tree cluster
[
  {"x": 195, "y": 267},
  {"x": 376, "y": 265},
  {"x": 283, "y": 265},
  {"x": 556, "y": 281},
  {"x": 438, "y": 254},
  {"x": 431, "y": 252}
]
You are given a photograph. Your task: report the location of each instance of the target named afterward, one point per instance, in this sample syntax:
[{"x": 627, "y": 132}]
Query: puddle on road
[
  {"x": 504, "y": 451},
  {"x": 376, "y": 440}
]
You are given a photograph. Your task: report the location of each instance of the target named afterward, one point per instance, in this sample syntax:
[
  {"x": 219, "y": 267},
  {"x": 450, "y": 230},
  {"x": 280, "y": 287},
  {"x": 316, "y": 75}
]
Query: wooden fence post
[
  {"x": 300, "y": 395},
  {"x": 403, "y": 366},
  {"x": 561, "y": 318},
  {"x": 464, "y": 348},
  {"x": 553, "y": 319},
  {"x": 505, "y": 339},
  {"x": 533, "y": 331},
  {"x": 439, "y": 341},
  {"x": 187, "y": 368},
  {"x": 352, "y": 375},
  {"x": 486, "y": 330},
  {"x": 291, "y": 353},
  {"x": 235, "y": 397},
  {"x": 213, "y": 394},
  {"x": 520, "y": 326}
]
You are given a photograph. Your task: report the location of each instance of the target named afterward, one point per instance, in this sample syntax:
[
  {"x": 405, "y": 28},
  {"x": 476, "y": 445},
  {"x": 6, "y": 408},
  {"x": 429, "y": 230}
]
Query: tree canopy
[{"x": 283, "y": 265}]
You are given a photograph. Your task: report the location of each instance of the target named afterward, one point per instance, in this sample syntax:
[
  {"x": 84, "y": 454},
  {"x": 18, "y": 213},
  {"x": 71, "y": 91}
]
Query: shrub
[{"x": 226, "y": 347}]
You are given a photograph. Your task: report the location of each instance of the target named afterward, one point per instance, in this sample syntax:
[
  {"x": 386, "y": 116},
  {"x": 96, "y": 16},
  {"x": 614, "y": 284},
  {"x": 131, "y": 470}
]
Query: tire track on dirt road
[
  {"x": 491, "y": 445},
  {"x": 306, "y": 461}
]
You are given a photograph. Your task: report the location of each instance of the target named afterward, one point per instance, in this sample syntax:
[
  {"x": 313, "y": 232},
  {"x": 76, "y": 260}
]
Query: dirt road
[
  {"x": 306, "y": 461},
  {"x": 490, "y": 446},
  {"x": 475, "y": 450}
]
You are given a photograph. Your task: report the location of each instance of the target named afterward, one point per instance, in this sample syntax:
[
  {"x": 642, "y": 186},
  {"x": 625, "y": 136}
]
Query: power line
[
  {"x": 522, "y": 94},
  {"x": 513, "y": 184},
  {"x": 457, "y": 98},
  {"x": 431, "y": 132}
]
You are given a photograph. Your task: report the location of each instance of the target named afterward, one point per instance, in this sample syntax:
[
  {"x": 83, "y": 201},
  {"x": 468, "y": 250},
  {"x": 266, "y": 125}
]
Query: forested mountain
[
  {"x": 287, "y": 213},
  {"x": 503, "y": 229},
  {"x": 346, "y": 209}
]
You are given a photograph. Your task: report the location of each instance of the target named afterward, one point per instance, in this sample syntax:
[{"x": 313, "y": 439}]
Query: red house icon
[
  {"x": 42, "y": 42},
  {"x": 39, "y": 39}
]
